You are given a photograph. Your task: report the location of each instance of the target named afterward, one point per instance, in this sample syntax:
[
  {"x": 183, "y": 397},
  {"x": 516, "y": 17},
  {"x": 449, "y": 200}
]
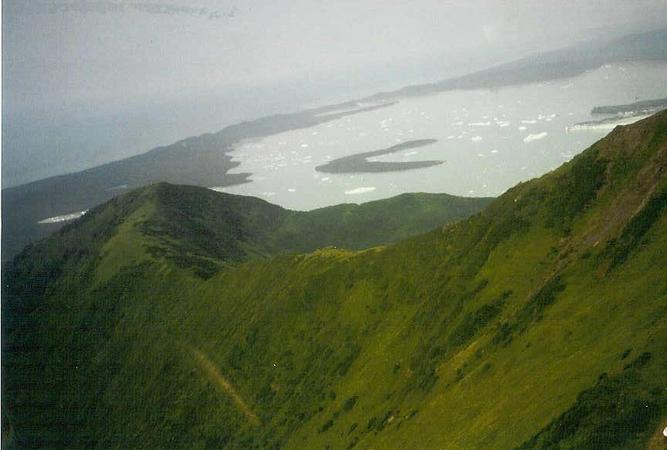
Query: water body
[{"x": 490, "y": 140}]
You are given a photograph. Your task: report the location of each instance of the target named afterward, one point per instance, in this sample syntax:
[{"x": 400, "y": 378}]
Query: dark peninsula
[{"x": 359, "y": 162}]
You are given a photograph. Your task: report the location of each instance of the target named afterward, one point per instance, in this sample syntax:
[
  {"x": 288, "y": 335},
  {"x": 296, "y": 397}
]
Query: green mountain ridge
[
  {"x": 199, "y": 228},
  {"x": 538, "y": 323}
]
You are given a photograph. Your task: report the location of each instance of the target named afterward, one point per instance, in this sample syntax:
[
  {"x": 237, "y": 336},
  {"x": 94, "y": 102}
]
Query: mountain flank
[{"x": 538, "y": 323}]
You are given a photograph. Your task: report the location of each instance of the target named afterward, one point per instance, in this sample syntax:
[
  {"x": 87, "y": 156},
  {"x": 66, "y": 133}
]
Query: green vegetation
[
  {"x": 176, "y": 317},
  {"x": 639, "y": 225},
  {"x": 375, "y": 223},
  {"x": 619, "y": 412},
  {"x": 576, "y": 188}
]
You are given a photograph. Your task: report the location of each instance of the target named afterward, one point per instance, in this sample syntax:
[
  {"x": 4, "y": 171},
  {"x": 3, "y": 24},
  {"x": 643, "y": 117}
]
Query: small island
[{"x": 359, "y": 162}]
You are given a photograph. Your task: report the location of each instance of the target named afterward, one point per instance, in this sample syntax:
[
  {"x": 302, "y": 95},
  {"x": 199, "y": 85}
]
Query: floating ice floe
[
  {"x": 476, "y": 138},
  {"x": 535, "y": 137},
  {"x": 360, "y": 190},
  {"x": 547, "y": 118},
  {"x": 451, "y": 136},
  {"x": 522, "y": 128},
  {"x": 479, "y": 124},
  {"x": 63, "y": 218},
  {"x": 494, "y": 151},
  {"x": 529, "y": 121},
  {"x": 503, "y": 123},
  {"x": 291, "y": 190}
]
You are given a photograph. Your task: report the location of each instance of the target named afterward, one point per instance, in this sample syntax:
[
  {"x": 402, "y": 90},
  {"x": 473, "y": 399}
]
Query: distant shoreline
[{"x": 643, "y": 107}]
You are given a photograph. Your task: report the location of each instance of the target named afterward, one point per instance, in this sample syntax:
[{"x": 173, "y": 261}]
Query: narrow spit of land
[{"x": 360, "y": 162}]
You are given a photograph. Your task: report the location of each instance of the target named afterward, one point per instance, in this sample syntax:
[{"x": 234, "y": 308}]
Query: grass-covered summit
[{"x": 539, "y": 323}]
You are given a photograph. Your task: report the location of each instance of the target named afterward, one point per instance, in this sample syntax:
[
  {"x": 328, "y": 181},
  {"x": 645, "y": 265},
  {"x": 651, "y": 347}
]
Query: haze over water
[
  {"x": 89, "y": 82},
  {"x": 489, "y": 140}
]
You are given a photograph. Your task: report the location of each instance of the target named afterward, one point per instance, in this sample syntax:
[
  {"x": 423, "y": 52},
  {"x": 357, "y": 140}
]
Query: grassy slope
[
  {"x": 355, "y": 227},
  {"x": 203, "y": 230},
  {"x": 529, "y": 325}
]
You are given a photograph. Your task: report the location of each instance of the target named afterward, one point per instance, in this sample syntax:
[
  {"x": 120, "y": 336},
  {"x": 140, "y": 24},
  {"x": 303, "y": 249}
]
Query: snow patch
[{"x": 63, "y": 218}]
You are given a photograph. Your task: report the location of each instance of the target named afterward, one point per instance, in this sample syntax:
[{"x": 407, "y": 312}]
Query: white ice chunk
[
  {"x": 360, "y": 190},
  {"x": 535, "y": 137}
]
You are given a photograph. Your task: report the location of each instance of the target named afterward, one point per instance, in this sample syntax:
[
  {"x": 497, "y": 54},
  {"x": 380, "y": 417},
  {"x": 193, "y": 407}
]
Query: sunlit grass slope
[{"x": 540, "y": 323}]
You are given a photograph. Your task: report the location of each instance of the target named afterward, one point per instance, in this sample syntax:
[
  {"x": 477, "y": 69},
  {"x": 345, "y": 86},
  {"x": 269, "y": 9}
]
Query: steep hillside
[
  {"x": 202, "y": 230},
  {"x": 539, "y": 323}
]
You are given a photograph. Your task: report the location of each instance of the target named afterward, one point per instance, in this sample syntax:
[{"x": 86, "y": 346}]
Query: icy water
[{"x": 489, "y": 140}]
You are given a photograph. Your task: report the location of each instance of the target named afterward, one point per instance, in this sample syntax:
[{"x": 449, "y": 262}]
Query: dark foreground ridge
[{"x": 538, "y": 323}]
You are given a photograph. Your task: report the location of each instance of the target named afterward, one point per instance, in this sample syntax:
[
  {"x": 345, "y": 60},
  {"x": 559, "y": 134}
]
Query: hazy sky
[{"x": 59, "y": 53}]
